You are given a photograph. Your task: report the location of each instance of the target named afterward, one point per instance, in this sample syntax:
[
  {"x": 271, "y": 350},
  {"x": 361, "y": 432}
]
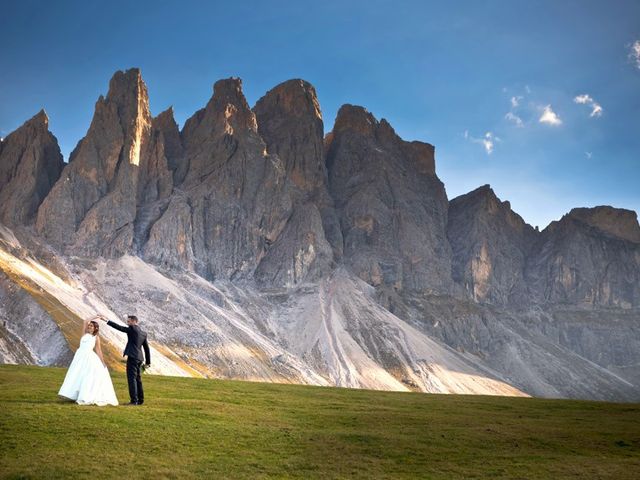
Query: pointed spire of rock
[
  {"x": 30, "y": 163},
  {"x": 166, "y": 125},
  {"x": 227, "y": 113},
  {"x": 115, "y": 168}
]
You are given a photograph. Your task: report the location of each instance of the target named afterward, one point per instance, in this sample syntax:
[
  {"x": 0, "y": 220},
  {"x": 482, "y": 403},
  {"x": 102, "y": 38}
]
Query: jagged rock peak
[
  {"x": 226, "y": 113},
  {"x": 619, "y": 222},
  {"x": 296, "y": 97},
  {"x": 482, "y": 193},
  {"x": 166, "y": 123},
  {"x": 30, "y": 163},
  {"x": 165, "y": 119},
  {"x": 290, "y": 123},
  {"x": 353, "y": 119},
  {"x": 356, "y": 119},
  {"x": 126, "y": 83},
  {"x": 229, "y": 99},
  {"x": 128, "y": 91},
  {"x": 486, "y": 197},
  {"x": 40, "y": 119}
]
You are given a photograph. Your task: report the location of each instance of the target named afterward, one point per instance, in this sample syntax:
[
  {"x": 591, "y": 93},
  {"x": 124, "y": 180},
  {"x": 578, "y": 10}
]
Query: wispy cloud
[
  {"x": 634, "y": 54},
  {"x": 488, "y": 141},
  {"x": 549, "y": 117},
  {"x": 512, "y": 117},
  {"x": 585, "y": 99}
]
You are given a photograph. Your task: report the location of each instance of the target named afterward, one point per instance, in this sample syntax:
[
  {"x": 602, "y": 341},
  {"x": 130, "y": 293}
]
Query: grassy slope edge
[{"x": 193, "y": 428}]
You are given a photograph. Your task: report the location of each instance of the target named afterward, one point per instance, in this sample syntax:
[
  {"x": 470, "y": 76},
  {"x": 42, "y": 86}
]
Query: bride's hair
[{"x": 96, "y": 327}]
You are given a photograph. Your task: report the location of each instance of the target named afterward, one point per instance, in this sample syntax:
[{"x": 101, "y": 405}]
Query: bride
[{"x": 87, "y": 380}]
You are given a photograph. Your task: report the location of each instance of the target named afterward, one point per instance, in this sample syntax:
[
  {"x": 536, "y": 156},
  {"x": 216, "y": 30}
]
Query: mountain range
[{"x": 253, "y": 246}]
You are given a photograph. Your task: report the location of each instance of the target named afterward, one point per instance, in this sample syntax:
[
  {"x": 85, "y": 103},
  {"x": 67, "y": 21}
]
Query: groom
[{"x": 136, "y": 339}]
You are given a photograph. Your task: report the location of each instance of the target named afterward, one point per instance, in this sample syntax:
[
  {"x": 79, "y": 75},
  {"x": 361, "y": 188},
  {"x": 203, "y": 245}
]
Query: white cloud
[
  {"x": 550, "y": 117},
  {"x": 585, "y": 99},
  {"x": 634, "y": 54},
  {"x": 596, "y": 111},
  {"x": 512, "y": 117},
  {"x": 488, "y": 141}
]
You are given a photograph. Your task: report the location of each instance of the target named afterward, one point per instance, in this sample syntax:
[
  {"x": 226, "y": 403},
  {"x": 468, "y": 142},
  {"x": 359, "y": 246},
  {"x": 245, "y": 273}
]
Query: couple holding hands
[{"x": 87, "y": 381}]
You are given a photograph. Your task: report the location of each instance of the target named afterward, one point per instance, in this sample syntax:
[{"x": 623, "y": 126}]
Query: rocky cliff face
[
  {"x": 30, "y": 163},
  {"x": 392, "y": 207},
  {"x": 119, "y": 165},
  {"x": 591, "y": 256},
  {"x": 258, "y": 248},
  {"x": 234, "y": 208},
  {"x": 290, "y": 122},
  {"x": 490, "y": 245}
]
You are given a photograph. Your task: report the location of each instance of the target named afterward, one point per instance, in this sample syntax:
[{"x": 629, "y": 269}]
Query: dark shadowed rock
[
  {"x": 590, "y": 256},
  {"x": 290, "y": 122},
  {"x": 490, "y": 244},
  {"x": 392, "y": 207},
  {"x": 300, "y": 253},
  {"x": 616, "y": 222},
  {"x": 164, "y": 124},
  {"x": 235, "y": 199},
  {"x": 30, "y": 163}
]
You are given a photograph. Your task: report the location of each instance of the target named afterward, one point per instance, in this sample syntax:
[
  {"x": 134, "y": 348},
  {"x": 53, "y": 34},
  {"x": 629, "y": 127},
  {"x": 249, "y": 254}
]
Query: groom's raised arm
[{"x": 117, "y": 327}]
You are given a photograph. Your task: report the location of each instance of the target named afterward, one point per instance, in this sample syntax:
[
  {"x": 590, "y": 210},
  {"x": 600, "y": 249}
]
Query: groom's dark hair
[{"x": 133, "y": 317}]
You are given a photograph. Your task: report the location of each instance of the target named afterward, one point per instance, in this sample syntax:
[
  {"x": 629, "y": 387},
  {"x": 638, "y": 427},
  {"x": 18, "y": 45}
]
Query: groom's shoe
[{"x": 131, "y": 404}]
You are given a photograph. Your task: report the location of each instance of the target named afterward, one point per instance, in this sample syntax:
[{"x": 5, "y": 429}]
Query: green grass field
[{"x": 194, "y": 428}]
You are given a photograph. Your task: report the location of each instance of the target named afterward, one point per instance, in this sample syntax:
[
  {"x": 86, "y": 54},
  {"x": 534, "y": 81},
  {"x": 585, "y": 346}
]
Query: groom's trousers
[{"x": 136, "y": 394}]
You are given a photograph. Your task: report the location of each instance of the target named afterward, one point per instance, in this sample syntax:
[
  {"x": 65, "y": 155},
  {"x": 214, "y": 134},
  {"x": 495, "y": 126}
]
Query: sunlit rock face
[
  {"x": 591, "y": 256},
  {"x": 490, "y": 244},
  {"x": 117, "y": 167},
  {"x": 28, "y": 335},
  {"x": 30, "y": 163},
  {"x": 392, "y": 207}
]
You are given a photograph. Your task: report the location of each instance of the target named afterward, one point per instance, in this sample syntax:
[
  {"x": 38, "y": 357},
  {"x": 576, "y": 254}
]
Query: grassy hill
[{"x": 192, "y": 428}]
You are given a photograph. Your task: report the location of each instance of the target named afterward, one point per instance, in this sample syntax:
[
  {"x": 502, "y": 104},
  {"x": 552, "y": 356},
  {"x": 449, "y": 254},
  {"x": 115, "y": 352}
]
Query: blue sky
[{"x": 474, "y": 79}]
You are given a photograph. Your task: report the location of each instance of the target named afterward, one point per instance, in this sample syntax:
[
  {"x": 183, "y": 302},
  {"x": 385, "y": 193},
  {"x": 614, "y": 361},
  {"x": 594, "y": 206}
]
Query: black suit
[{"x": 137, "y": 340}]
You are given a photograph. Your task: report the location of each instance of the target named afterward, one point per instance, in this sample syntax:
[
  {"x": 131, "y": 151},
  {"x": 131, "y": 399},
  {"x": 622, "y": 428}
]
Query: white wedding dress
[{"x": 87, "y": 380}]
